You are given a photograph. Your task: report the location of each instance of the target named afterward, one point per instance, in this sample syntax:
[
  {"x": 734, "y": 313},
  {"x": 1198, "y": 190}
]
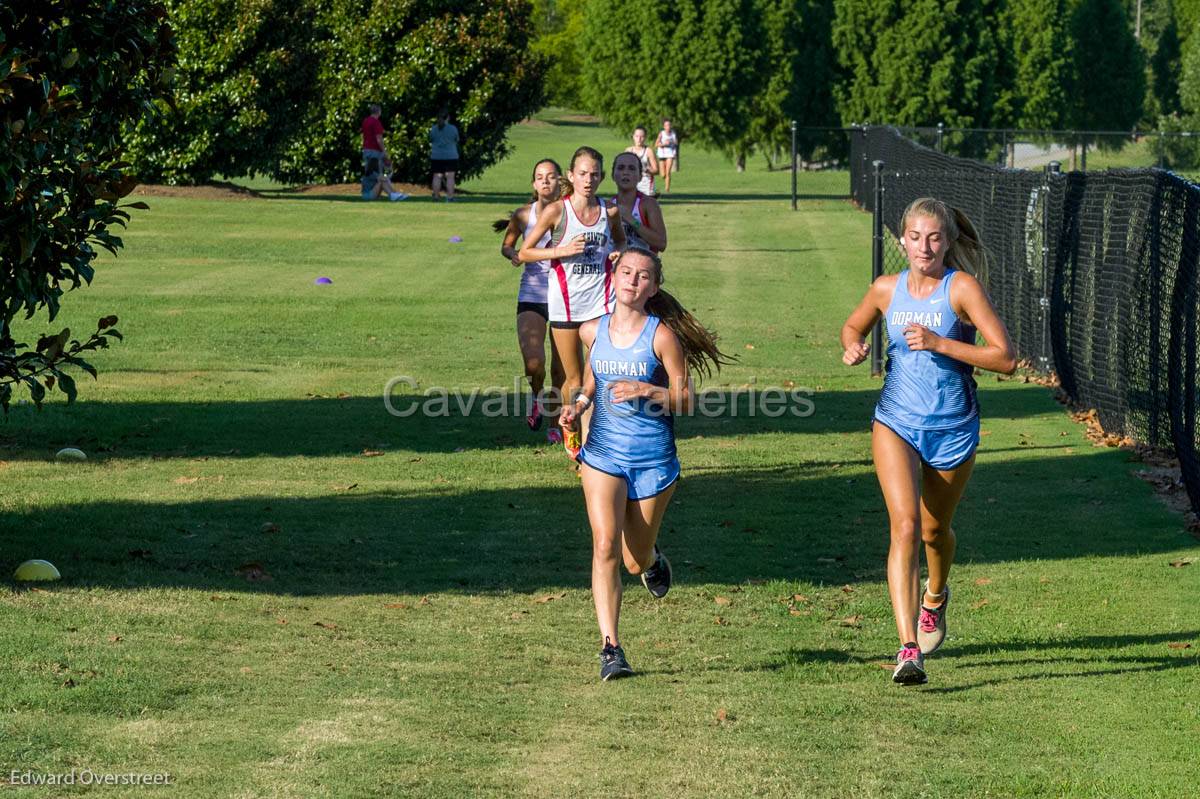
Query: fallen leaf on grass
[
  {"x": 847, "y": 589},
  {"x": 343, "y": 395},
  {"x": 246, "y": 670},
  {"x": 799, "y": 598},
  {"x": 851, "y": 621},
  {"x": 749, "y": 346},
  {"x": 371, "y": 453},
  {"x": 281, "y": 621},
  {"x": 350, "y": 487},
  {"x": 1179, "y": 645},
  {"x": 424, "y": 601},
  {"x": 397, "y": 606},
  {"x": 183, "y": 481},
  {"x": 720, "y": 621},
  {"x": 550, "y": 597},
  {"x": 888, "y": 666},
  {"x": 68, "y": 683},
  {"x": 983, "y": 581},
  {"x": 254, "y": 572},
  {"x": 796, "y": 612},
  {"x": 979, "y": 604},
  {"x": 1179, "y": 564},
  {"x": 325, "y": 625},
  {"x": 723, "y": 715},
  {"x": 723, "y": 600},
  {"x": 270, "y": 527},
  {"x": 115, "y": 639},
  {"x": 219, "y": 598},
  {"x": 520, "y": 614}
]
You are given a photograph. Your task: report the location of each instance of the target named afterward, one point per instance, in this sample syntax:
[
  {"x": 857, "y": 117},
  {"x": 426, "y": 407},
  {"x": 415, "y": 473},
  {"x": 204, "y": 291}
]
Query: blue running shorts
[
  {"x": 642, "y": 482},
  {"x": 943, "y": 449}
]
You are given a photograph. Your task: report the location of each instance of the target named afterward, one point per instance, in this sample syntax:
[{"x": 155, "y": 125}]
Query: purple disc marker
[
  {"x": 456, "y": 239},
  {"x": 323, "y": 281}
]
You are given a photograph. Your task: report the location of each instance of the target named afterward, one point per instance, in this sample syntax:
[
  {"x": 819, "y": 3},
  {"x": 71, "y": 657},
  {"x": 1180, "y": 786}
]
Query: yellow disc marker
[{"x": 36, "y": 571}]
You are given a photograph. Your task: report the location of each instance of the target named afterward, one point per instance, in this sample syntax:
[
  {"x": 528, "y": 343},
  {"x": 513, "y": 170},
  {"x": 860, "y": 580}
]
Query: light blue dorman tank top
[
  {"x": 925, "y": 390},
  {"x": 635, "y": 434}
]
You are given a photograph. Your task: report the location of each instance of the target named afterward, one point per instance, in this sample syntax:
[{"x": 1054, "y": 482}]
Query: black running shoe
[
  {"x": 657, "y": 578},
  {"x": 613, "y": 664}
]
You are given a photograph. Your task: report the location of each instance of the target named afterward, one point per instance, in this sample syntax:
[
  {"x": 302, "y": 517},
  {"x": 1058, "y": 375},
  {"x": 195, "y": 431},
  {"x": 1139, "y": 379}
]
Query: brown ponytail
[{"x": 698, "y": 342}]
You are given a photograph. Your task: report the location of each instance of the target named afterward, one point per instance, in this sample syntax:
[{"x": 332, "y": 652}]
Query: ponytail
[
  {"x": 967, "y": 251},
  {"x": 699, "y": 343},
  {"x": 501, "y": 225},
  {"x": 564, "y": 187}
]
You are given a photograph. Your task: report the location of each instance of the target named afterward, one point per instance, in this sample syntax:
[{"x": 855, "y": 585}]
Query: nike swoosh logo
[{"x": 935, "y": 302}]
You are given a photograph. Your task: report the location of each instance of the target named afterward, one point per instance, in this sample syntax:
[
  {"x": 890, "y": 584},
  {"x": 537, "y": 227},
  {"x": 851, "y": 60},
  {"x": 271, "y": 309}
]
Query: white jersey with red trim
[
  {"x": 631, "y": 234},
  {"x": 581, "y": 286}
]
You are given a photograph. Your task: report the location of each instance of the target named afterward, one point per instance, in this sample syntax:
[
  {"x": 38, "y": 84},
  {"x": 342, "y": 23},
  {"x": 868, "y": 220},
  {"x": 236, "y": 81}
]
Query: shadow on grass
[
  {"x": 804, "y": 522},
  {"x": 324, "y": 426},
  {"x": 1025, "y": 669}
]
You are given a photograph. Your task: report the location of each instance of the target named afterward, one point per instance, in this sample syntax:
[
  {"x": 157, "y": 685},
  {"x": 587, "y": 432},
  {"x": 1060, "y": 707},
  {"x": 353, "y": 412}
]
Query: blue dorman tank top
[
  {"x": 925, "y": 390},
  {"x": 635, "y": 434}
]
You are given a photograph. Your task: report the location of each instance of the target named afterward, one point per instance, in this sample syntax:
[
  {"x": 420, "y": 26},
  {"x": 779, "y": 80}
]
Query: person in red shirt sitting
[{"x": 376, "y": 178}]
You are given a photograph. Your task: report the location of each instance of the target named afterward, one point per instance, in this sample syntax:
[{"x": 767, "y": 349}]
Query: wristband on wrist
[{"x": 585, "y": 399}]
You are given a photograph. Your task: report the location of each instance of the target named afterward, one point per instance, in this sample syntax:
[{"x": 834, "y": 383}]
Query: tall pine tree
[
  {"x": 1111, "y": 84},
  {"x": 920, "y": 63},
  {"x": 1042, "y": 52}
]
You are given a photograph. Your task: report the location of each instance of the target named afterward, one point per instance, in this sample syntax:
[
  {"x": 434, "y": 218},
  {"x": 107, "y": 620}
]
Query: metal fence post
[
  {"x": 1044, "y": 360},
  {"x": 941, "y": 130},
  {"x": 793, "y": 165},
  {"x": 1161, "y": 150},
  {"x": 877, "y": 266}
]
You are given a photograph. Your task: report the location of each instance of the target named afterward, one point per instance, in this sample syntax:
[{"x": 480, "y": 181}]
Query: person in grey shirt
[{"x": 443, "y": 157}]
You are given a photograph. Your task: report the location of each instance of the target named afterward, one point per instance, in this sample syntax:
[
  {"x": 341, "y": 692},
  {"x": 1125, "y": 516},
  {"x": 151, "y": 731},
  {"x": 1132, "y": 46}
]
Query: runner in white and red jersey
[
  {"x": 641, "y": 215},
  {"x": 532, "y": 311},
  {"x": 584, "y": 231}
]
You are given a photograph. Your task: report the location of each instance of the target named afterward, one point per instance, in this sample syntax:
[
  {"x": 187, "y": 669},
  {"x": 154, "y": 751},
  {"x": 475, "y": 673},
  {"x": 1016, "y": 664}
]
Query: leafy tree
[
  {"x": 279, "y": 87},
  {"x": 798, "y": 80},
  {"x": 1041, "y": 44},
  {"x": 698, "y": 62},
  {"x": 558, "y": 26},
  {"x": 1189, "y": 79},
  {"x": 1165, "y": 64},
  {"x": 247, "y": 77},
  {"x": 920, "y": 63},
  {"x": 73, "y": 72},
  {"x": 1111, "y": 84}
]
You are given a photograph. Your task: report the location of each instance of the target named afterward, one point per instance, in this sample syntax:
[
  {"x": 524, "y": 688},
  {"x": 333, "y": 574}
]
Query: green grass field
[{"x": 273, "y": 588}]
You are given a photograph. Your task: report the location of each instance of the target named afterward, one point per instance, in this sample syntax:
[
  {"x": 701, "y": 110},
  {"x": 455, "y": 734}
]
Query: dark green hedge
[{"x": 279, "y": 87}]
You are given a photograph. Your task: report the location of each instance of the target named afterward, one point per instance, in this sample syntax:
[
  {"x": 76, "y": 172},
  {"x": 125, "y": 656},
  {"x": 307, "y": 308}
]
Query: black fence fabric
[{"x": 1095, "y": 275}]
